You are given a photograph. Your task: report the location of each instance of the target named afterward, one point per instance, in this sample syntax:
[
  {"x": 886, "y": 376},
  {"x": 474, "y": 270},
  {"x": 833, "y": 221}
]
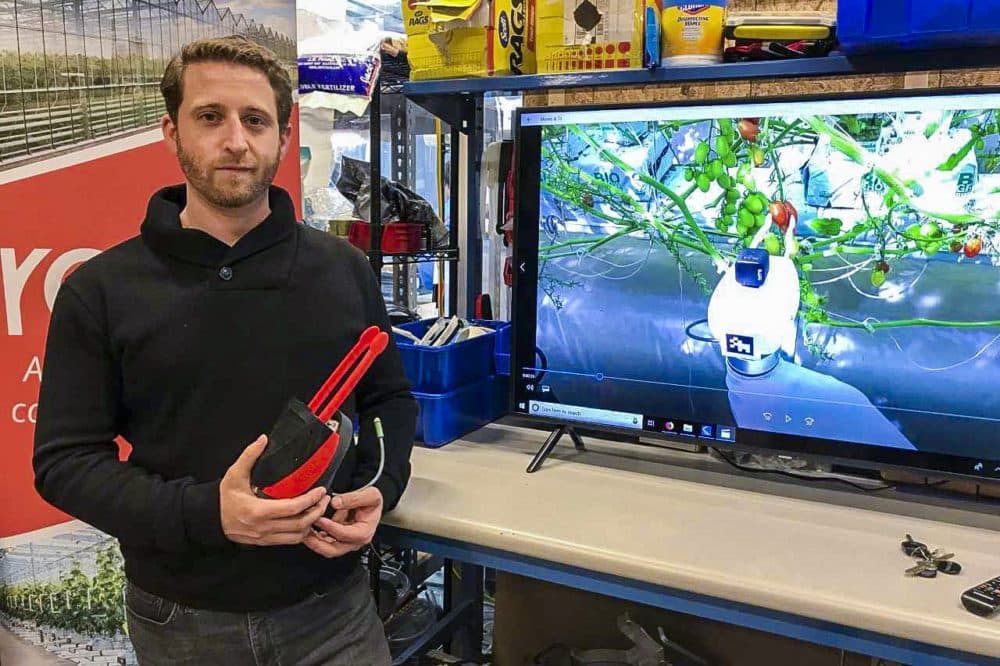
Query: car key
[{"x": 923, "y": 569}]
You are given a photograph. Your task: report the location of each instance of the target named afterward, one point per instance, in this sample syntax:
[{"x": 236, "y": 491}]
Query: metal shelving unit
[{"x": 390, "y": 101}]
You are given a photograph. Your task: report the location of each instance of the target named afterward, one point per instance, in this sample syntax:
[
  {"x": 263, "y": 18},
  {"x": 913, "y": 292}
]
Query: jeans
[{"x": 339, "y": 627}]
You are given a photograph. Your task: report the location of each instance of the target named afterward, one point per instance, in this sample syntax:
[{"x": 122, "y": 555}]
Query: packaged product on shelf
[
  {"x": 651, "y": 34},
  {"x": 459, "y": 38},
  {"x": 338, "y": 66},
  {"x": 691, "y": 34},
  {"x": 343, "y": 73},
  {"x": 589, "y": 35}
]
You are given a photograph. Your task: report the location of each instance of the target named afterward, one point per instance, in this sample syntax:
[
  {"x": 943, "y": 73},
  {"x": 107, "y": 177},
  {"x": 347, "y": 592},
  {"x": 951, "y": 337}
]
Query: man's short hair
[{"x": 235, "y": 49}]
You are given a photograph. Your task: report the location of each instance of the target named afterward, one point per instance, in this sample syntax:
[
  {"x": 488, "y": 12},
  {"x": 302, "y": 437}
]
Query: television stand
[{"x": 550, "y": 444}]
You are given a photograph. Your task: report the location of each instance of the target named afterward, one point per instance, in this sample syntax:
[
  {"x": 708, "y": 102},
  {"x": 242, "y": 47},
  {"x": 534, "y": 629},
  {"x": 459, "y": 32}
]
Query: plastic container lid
[
  {"x": 784, "y": 18},
  {"x": 793, "y": 26}
]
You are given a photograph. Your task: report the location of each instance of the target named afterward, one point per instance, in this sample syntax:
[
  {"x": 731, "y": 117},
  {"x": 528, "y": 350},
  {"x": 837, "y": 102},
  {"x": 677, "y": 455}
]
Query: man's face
[{"x": 226, "y": 137}]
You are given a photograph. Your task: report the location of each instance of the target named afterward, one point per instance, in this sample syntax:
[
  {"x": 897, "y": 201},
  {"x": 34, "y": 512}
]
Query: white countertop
[{"x": 819, "y": 560}]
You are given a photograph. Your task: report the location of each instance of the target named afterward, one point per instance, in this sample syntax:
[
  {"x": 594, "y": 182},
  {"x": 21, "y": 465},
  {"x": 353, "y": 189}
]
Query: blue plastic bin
[
  {"x": 503, "y": 349},
  {"x": 880, "y": 25},
  {"x": 446, "y": 416},
  {"x": 442, "y": 369}
]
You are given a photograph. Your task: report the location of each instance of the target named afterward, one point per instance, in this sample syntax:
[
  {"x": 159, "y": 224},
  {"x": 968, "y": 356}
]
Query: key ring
[{"x": 929, "y": 562}]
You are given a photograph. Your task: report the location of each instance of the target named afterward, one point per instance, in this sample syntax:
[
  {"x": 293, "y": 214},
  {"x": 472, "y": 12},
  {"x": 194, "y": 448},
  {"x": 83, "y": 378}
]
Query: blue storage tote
[
  {"x": 503, "y": 349},
  {"x": 442, "y": 369},
  {"x": 880, "y": 25},
  {"x": 446, "y": 416}
]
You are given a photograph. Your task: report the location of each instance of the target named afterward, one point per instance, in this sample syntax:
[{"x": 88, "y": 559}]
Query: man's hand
[
  {"x": 249, "y": 519},
  {"x": 352, "y": 526}
]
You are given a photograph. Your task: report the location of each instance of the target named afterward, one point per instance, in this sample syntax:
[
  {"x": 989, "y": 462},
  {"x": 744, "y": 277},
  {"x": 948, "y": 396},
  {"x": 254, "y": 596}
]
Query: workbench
[{"x": 808, "y": 561}]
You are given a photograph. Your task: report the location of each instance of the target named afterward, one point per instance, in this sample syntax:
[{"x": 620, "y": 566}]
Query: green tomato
[
  {"x": 930, "y": 230},
  {"x": 772, "y": 245},
  {"x": 730, "y": 209},
  {"x": 689, "y": 174},
  {"x": 732, "y": 195},
  {"x": 930, "y": 249},
  {"x": 701, "y": 153},
  {"x": 745, "y": 218},
  {"x": 722, "y": 146},
  {"x": 753, "y": 204},
  {"x": 749, "y": 182},
  {"x": 723, "y": 223},
  {"x": 759, "y": 219},
  {"x": 878, "y": 278},
  {"x": 704, "y": 182},
  {"x": 729, "y": 159},
  {"x": 725, "y": 181},
  {"x": 715, "y": 168}
]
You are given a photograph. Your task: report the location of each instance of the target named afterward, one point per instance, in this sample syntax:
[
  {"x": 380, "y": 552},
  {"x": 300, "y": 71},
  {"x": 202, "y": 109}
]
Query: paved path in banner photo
[{"x": 15, "y": 652}]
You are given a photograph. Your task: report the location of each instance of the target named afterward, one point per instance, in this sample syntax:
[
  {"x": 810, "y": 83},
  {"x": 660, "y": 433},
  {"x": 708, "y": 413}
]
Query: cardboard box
[
  {"x": 589, "y": 35},
  {"x": 525, "y": 625},
  {"x": 460, "y": 38}
]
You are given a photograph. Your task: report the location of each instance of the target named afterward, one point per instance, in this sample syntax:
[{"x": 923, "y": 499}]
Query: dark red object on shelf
[
  {"x": 757, "y": 50},
  {"x": 397, "y": 237}
]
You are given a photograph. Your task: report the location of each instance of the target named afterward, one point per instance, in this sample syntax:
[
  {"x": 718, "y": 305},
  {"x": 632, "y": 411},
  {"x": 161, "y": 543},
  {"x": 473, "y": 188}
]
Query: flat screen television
[{"x": 815, "y": 276}]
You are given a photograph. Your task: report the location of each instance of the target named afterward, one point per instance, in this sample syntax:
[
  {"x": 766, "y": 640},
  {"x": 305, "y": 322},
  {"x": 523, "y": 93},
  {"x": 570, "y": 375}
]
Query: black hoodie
[{"x": 189, "y": 349}]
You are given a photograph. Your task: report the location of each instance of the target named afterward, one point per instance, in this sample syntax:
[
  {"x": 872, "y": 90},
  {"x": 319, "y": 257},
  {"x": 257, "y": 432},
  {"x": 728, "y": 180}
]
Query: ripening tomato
[
  {"x": 782, "y": 213},
  {"x": 973, "y": 247},
  {"x": 792, "y": 212},
  {"x": 779, "y": 214},
  {"x": 748, "y": 129}
]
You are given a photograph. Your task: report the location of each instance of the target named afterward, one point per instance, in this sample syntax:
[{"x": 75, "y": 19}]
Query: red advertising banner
[{"x": 51, "y": 222}]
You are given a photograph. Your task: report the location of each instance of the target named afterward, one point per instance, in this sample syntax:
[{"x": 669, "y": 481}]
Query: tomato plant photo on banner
[{"x": 81, "y": 152}]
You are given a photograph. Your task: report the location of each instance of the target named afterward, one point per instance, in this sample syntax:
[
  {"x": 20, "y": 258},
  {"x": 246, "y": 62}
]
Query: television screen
[{"x": 812, "y": 276}]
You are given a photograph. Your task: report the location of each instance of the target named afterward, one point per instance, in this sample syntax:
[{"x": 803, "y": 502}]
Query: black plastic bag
[{"x": 399, "y": 203}]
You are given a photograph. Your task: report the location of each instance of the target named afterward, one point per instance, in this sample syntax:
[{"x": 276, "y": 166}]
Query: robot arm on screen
[{"x": 752, "y": 314}]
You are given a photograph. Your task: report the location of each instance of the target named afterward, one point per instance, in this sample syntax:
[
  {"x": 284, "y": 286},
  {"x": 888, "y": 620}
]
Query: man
[{"x": 187, "y": 341}]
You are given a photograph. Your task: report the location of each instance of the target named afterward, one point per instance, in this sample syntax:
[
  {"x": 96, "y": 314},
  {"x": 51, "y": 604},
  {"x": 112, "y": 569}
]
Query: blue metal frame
[{"x": 842, "y": 637}]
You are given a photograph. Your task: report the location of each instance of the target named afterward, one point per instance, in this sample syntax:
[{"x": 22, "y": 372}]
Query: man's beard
[{"x": 224, "y": 189}]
